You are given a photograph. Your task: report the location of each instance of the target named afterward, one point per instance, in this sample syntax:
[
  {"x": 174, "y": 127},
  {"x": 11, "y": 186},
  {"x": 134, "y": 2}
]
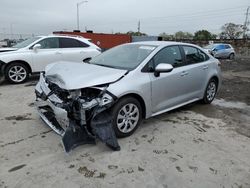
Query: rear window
[
  {"x": 194, "y": 55},
  {"x": 72, "y": 43}
]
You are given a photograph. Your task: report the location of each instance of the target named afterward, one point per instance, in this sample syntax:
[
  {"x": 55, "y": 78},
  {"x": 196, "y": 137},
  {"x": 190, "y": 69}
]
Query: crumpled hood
[{"x": 70, "y": 76}]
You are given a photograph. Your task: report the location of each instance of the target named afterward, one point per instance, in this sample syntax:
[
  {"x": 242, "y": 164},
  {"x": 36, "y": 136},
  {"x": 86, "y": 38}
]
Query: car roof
[
  {"x": 162, "y": 43},
  {"x": 221, "y": 44},
  {"x": 63, "y": 36}
]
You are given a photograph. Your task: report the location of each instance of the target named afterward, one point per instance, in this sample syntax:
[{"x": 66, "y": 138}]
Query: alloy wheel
[
  {"x": 17, "y": 73},
  {"x": 127, "y": 118},
  {"x": 211, "y": 91}
]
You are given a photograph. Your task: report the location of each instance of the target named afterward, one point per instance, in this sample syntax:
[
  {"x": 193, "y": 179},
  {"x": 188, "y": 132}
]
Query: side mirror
[
  {"x": 163, "y": 67},
  {"x": 36, "y": 47}
]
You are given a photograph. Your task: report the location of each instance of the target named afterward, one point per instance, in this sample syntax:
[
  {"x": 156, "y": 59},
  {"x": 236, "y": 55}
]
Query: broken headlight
[{"x": 106, "y": 99}]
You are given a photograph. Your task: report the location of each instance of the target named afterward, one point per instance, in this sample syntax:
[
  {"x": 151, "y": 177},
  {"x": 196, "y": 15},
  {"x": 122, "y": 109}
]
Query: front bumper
[
  {"x": 77, "y": 120},
  {"x": 48, "y": 107}
]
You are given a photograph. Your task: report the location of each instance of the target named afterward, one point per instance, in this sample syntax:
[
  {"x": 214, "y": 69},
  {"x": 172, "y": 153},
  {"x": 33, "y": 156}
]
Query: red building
[{"x": 104, "y": 41}]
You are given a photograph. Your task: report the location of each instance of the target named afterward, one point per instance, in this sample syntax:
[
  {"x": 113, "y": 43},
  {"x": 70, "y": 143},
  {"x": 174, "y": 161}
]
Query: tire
[
  {"x": 125, "y": 124},
  {"x": 231, "y": 56},
  {"x": 16, "y": 73},
  {"x": 210, "y": 92}
]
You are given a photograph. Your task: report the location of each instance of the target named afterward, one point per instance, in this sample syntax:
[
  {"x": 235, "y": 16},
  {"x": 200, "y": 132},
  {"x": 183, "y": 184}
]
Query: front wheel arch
[
  {"x": 140, "y": 100},
  {"x": 19, "y": 61}
]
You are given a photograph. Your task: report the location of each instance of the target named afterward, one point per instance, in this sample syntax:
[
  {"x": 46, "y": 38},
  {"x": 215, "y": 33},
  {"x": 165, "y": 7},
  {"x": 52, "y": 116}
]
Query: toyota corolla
[{"x": 108, "y": 96}]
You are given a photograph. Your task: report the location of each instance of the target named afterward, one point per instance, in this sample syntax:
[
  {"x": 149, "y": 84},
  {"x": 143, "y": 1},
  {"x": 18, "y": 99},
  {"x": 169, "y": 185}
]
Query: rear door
[
  {"x": 197, "y": 66},
  {"x": 228, "y": 50},
  {"x": 73, "y": 50}
]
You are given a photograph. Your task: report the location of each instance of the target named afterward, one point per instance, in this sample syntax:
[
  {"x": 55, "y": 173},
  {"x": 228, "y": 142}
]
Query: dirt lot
[{"x": 198, "y": 145}]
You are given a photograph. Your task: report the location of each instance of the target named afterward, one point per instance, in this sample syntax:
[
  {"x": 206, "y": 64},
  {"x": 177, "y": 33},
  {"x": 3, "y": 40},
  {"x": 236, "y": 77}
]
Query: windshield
[
  {"x": 126, "y": 57},
  {"x": 26, "y": 42}
]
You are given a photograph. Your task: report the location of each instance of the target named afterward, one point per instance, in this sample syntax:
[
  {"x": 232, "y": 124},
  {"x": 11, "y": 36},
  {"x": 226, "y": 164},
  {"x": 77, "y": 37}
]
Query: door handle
[
  {"x": 58, "y": 53},
  {"x": 184, "y": 73},
  {"x": 205, "y": 67}
]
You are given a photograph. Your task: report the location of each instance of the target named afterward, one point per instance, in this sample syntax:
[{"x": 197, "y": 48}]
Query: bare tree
[{"x": 231, "y": 31}]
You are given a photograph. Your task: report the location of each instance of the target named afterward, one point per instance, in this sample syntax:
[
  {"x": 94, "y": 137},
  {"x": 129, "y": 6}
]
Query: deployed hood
[
  {"x": 7, "y": 49},
  {"x": 70, "y": 76}
]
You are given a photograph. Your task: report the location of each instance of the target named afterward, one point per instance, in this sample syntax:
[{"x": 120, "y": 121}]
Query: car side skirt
[{"x": 174, "y": 107}]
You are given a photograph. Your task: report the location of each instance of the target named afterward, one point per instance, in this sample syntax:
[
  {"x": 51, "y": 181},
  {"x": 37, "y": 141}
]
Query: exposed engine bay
[{"x": 80, "y": 116}]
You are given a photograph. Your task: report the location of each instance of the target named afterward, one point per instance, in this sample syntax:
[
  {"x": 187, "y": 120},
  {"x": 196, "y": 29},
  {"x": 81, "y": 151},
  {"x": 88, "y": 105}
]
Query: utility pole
[
  {"x": 11, "y": 30},
  {"x": 77, "y": 9},
  {"x": 245, "y": 27},
  {"x": 139, "y": 26}
]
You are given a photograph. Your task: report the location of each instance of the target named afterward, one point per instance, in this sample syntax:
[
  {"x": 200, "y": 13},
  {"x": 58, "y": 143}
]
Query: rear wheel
[
  {"x": 16, "y": 73},
  {"x": 231, "y": 56},
  {"x": 127, "y": 115},
  {"x": 210, "y": 91}
]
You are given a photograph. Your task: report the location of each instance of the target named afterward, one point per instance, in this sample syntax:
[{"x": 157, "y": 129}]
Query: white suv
[{"x": 34, "y": 54}]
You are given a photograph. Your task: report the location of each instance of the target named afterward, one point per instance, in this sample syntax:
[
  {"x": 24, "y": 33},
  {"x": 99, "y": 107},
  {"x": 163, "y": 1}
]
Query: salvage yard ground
[{"x": 195, "y": 146}]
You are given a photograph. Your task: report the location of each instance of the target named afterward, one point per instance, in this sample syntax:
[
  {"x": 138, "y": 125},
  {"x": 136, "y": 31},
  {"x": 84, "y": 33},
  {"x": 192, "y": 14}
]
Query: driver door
[
  {"x": 48, "y": 53},
  {"x": 168, "y": 89}
]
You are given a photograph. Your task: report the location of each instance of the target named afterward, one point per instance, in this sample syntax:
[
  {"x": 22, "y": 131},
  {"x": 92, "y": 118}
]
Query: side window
[
  {"x": 227, "y": 46},
  {"x": 49, "y": 43},
  {"x": 71, "y": 43},
  {"x": 169, "y": 55},
  {"x": 220, "y": 47},
  {"x": 194, "y": 55}
]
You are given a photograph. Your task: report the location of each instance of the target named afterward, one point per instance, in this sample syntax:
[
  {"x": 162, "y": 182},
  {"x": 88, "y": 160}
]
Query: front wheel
[
  {"x": 127, "y": 115},
  {"x": 210, "y": 91},
  {"x": 16, "y": 73}
]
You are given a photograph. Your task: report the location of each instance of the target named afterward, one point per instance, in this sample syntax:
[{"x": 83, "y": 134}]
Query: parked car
[
  {"x": 221, "y": 50},
  {"x": 112, "y": 93},
  {"x": 34, "y": 54}
]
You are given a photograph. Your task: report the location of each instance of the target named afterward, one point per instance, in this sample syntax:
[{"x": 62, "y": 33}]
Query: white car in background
[{"x": 34, "y": 54}]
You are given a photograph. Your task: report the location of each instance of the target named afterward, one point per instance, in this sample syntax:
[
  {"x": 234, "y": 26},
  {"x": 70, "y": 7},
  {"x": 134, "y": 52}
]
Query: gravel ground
[{"x": 194, "y": 146}]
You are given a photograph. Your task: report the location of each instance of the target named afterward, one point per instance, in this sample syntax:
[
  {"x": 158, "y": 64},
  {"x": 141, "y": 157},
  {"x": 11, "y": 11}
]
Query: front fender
[
  {"x": 134, "y": 84},
  {"x": 22, "y": 55}
]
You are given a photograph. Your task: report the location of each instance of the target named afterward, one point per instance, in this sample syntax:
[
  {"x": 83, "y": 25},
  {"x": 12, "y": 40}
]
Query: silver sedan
[{"x": 112, "y": 93}]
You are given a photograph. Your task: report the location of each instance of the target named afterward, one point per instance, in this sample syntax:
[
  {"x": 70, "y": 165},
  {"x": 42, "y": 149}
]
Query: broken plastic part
[
  {"x": 75, "y": 136},
  {"x": 101, "y": 126}
]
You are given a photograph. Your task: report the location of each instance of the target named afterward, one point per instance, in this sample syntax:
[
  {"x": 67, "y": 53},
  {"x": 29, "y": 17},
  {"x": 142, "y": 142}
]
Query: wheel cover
[
  {"x": 127, "y": 118},
  {"x": 17, "y": 73},
  {"x": 211, "y": 91}
]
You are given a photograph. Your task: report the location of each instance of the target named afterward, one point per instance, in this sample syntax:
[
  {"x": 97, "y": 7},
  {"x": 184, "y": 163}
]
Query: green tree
[
  {"x": 204, "y": 35},
  {"x": 166, "y": 36},
  {"x": 183, "y": 35},
  {"x": 231, "y": 31},
  {"x": 132, "y": 33}
]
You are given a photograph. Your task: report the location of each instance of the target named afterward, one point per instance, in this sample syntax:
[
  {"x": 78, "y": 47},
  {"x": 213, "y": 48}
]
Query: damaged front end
[{"x": 80, "y": 116}]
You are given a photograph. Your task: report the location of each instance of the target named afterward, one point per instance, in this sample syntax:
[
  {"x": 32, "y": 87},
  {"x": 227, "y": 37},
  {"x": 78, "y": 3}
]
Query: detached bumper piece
[
  {"x": 87, "y": 120},
  {"x": 75, "y": 136},
  {"x": 101, "y": 126}
]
